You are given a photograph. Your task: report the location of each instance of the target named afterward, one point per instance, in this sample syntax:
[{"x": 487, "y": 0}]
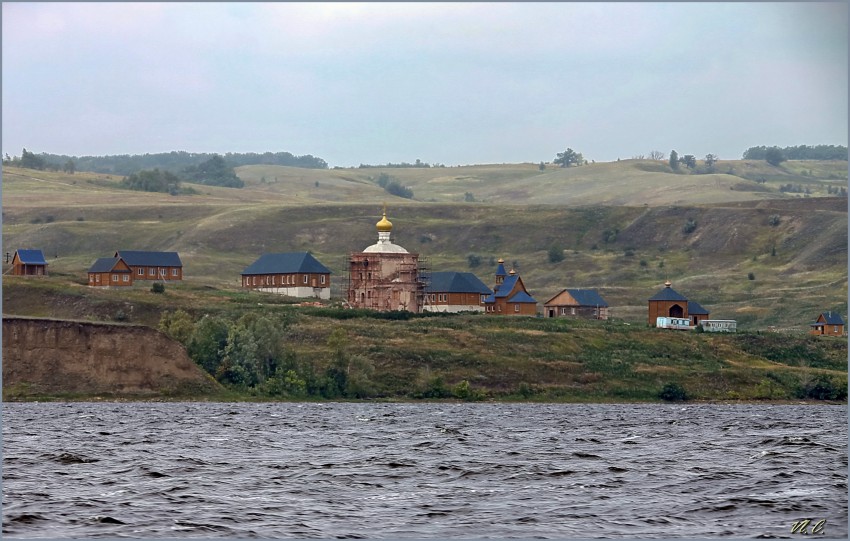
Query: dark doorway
[{"x": 676, "y": 311}]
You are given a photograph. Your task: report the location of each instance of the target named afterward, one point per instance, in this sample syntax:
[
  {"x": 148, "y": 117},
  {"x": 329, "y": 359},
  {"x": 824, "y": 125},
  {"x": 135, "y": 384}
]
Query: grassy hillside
[
  {"x": 622, "y": 183},
  {"x": 621, "y": 227},
  {"x": 480, "y": 357}
]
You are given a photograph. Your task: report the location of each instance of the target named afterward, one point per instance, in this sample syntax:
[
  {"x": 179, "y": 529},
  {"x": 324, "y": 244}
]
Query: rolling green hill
[{"x": 620, "y": 225}]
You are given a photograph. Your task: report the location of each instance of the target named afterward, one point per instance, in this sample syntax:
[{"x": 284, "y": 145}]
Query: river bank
[{"x": 460, "y": 358}]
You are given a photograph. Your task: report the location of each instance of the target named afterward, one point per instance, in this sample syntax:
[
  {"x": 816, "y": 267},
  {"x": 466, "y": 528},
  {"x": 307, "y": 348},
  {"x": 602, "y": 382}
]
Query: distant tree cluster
[
  {"x": 393, "y": 187},
  {"x": 153, "y": 181},
  {"x": 418, "y": 163},
  {"x": 30, "y": 160},
  {"x": 174, "y": 162},
  {"x": 247, "y": 353},
  {"x": 802, "y": 152},
  {"x": 213, "y": 172},
  {"x": 690, "y": 161},
  {"x": 275, "y": 158}
]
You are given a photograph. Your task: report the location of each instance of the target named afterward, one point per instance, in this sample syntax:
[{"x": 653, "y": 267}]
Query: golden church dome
[{"x": 384, "y": 226}]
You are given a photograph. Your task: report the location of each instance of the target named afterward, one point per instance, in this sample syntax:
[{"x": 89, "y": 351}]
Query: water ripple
[{"x": 530, "y": 471}]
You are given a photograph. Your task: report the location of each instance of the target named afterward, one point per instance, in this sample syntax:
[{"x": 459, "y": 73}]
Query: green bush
[
  {"x": 464, "y": 392},
  {"x": 822, "y": 387},
  {"x": 157, "y": 287},
  {"x": 673, "y": 392},
  {"x": 556, "y": 254}
]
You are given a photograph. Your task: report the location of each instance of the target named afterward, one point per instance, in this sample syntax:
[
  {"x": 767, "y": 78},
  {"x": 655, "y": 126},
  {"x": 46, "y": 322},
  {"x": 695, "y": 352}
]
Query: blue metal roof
[
  {"x": 522, "y": 296},
  {"x": 506, "y": 286},
  {"x": 286, "y": 263},
  {"x": 832, "y": 318},
  {"x": 137, "y": 258},
  {"x": 106, "y": 264},
  {"x": 456, "y": 282},
  {"x": 587, "y": 297},
  {"x": 668, "y": 294},
  {"x": 694, "y": 308},
  {"x": 31, "y": 257},
  {"x": 505, "y": 290},
  {"x": 500, "y": 270}
]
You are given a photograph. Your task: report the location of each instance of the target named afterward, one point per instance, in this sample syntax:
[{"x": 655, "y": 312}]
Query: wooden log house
[
  {"x": 165, "y": 266},
  {"x": 580, "y": 303},
  {"x": 454, "y": 292},
  {"x": 296, "y": 274},
  {"x": 110, "y": 272},
  {"x": 29, "y": 263}
]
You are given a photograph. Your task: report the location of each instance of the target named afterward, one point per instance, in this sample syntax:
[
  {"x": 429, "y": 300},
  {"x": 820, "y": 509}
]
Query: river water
[{"x": 344, "y": 470}]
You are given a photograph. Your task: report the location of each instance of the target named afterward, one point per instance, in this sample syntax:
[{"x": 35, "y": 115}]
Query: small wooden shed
[
  {"x": 29, "y": 263},
  {"x": 828, "y": 324}
]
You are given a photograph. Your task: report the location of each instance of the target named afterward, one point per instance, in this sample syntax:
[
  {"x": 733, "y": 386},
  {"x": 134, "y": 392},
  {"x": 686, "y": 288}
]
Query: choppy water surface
[{"x": 422, "y": 470}]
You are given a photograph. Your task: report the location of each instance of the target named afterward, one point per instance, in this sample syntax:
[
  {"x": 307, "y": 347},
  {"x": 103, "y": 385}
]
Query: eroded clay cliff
[{"x": 54, "y": 357}]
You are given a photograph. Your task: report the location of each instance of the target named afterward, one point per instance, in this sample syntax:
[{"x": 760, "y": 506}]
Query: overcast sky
[{"x": 449, "y": 83}]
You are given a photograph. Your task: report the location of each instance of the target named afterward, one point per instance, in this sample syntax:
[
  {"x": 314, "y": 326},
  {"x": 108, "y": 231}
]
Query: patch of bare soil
[{"x": 59, "y": 357}]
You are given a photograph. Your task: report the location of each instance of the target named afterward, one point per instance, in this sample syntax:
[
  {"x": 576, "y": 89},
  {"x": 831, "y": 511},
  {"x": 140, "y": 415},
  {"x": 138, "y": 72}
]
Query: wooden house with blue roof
[
  {"x": 582, "y": 303},
  {"x": 696, "y": 313},
  {"x": 29, "y": 263},
  {"x": 509, "y": 298},
  {"x": 669, "y": 303},
  {"x": 110, "y": 272},
  {"x": 295, "y": 274},
  {"x": 455, "y": 292},
  {"x": 828, "y": 324},
  {"x": 152, "y": 265}
]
